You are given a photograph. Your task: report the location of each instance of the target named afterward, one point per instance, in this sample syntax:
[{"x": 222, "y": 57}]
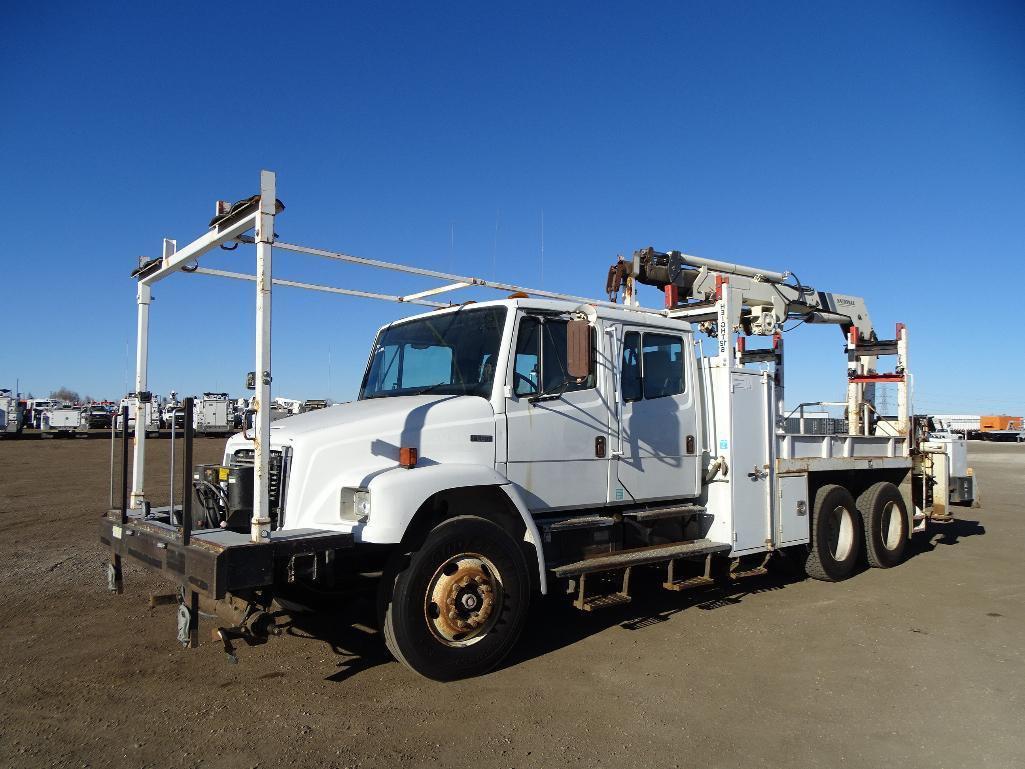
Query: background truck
[
  {"x": 36, "y": 407},
  {"x": 1000, "y": 428},
  {"x": 213, "y": 414},
  {"x": 173, "y": 415},
  {"x": 540, "y": 444},
  {"x": 151, "y": 412},
  {"x": 97, "y": 416},
  {"x": 11, "y": 414},
  {"x": 66, "y": 419}
]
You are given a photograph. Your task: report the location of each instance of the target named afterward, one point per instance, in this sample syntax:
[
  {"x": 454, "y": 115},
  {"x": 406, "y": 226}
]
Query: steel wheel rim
[
  {"x": 464, "y": 599},
  {"x": 840, "y": 530},
  {"x": 890, "y": 526}
]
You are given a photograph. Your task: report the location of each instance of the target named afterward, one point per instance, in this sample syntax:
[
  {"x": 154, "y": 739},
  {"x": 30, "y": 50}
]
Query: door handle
[
  {"x": 758, "y": 473},
  {"x": 599, "y": 447}
]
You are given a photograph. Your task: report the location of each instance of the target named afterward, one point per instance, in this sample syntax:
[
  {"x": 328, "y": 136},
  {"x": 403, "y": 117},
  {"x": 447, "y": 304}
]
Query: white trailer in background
[
  {"x": 541, "y": 443},
  {"x": 66, "y": 419},
  {"x": 959, "y": 424},
  {"x": 10, "y": 413},
  {"x": 213, "y": 414}
]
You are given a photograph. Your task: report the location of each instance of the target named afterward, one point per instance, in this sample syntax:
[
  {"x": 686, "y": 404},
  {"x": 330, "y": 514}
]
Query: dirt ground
[{"x": 919, "y": 666}]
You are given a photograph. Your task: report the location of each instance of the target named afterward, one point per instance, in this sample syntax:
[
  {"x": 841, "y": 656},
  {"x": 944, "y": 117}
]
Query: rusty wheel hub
[{"x": 463, "y": 599}]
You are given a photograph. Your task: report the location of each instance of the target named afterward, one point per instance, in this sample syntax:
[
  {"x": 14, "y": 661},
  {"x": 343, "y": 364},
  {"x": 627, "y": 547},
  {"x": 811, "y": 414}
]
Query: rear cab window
[{"x": 652, "y": 366}]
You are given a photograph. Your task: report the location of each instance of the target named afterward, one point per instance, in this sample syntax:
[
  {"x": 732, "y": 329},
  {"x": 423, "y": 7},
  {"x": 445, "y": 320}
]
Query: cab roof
[{"x": 639, "y": 316}]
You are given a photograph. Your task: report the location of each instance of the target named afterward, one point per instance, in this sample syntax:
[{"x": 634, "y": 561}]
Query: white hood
[{"x": 350, "y": 444}]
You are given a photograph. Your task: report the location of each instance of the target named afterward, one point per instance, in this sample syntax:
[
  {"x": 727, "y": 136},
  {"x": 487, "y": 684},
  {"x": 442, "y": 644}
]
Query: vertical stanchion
[
  {"x": 260, "y": 522},
  {"x": 113, "y": 435},
  {"x": 187, "y": 475},
  {"x": 193, "y": 619},
  {"x": 170, "y": 503},
  {"x": 124, "y": 465}
]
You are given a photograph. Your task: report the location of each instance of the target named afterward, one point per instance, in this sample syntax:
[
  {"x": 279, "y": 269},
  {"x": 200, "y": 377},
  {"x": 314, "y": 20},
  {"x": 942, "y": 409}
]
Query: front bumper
[{"x": 217, "y": 561}]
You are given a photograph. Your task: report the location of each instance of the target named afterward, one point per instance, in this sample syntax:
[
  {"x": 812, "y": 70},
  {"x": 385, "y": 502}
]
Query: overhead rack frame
[{"x": 233, "y": 225}]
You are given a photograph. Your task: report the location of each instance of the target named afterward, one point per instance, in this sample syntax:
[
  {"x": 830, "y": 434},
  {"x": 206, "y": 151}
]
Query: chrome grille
[{"x": 278, "y": 472}]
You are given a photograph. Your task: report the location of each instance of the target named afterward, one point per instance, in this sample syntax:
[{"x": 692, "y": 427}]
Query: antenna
[
  {"x": 494, "y": 250},
  {"x": 542, "y": 246}
]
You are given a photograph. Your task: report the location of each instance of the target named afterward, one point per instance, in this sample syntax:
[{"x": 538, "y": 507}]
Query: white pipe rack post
[
  {"x": 264, "y": 284},
  {"x": 144, "y": 296}
]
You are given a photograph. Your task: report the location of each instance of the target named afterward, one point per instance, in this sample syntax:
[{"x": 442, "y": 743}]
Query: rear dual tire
[
  {"x": 885, "y": 522},
  {"x": 841, "y": 528},
  {"x": 836, "y": 535}
]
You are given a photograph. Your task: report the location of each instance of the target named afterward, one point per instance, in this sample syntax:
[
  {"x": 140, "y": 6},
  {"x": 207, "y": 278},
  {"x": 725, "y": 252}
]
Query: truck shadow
[
  {"x": 351, "y": 631},
  {"x": 556, "y": 623},
  {"x": 944, "y": 534}
]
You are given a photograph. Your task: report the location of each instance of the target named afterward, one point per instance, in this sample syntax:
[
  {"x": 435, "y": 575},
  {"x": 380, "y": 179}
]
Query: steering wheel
[{"x": 517, "y": 376}]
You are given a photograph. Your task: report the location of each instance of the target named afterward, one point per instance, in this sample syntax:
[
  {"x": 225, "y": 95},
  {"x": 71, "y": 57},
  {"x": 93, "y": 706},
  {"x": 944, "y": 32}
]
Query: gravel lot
[{"x": 916, "y": 666}]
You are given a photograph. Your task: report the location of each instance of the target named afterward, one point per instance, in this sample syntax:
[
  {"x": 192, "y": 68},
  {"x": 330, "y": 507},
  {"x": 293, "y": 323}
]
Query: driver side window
[
  {"x": 540, "y": 364},
  {"x": 527, "y": 366}
]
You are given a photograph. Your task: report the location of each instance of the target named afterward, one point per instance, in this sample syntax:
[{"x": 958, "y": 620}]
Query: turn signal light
[{"x": 407, "y": 457}]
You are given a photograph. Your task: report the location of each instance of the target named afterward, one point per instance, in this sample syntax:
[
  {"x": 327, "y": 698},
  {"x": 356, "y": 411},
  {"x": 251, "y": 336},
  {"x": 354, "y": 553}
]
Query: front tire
[
  {"x": 885, "y": 520},
  {"x": 836, "y": 535},
  {"x": 458, "y": 606}
]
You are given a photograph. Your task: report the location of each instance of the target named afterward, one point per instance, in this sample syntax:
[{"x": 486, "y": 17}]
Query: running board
[
  {"x": 581, "y": 522},
  {"x": 657, "y": 513},
  {"x": 642, "y": 556}
]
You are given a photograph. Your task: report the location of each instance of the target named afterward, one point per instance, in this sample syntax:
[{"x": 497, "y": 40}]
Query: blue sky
[{"x": 873, "y": 148}]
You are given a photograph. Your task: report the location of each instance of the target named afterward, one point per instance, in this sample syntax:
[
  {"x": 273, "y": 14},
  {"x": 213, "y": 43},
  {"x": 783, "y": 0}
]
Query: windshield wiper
[{"x": 429, "y": 388}]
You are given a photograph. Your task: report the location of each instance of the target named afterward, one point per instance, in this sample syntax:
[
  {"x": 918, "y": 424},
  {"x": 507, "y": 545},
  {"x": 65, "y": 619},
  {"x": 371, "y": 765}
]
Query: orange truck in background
[
  {"x": 1001, "y": 427},
  {"x": 1000, "y": 422}
]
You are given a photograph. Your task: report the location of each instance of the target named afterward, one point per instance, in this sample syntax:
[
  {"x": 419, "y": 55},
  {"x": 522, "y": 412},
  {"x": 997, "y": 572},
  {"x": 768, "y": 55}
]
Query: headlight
[{"x": 355, "y": 505}]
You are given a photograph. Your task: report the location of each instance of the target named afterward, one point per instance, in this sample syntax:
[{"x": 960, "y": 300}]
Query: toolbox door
[
  {"x": 792, "y": 510},
  {"x": 751, "y": 466}
]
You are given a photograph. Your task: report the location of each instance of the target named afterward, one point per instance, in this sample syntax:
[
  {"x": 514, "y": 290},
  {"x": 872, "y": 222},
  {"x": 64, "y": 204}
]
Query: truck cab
[{"x": 479, "y": 396}]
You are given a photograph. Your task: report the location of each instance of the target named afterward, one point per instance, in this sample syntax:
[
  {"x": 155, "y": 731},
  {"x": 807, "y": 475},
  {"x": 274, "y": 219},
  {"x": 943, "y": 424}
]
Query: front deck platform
[{"x": 215, "y": 561}]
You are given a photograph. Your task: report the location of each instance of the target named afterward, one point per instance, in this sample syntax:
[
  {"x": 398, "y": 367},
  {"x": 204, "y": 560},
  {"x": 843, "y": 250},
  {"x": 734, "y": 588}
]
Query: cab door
[
  {"x": 557, "y": 427},
  {"x": 660, "y": 455}
]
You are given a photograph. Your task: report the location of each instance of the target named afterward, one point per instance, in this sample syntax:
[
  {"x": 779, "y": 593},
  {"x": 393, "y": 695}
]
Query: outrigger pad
[
  {"x": 113, "y": 578},
  {"x": 184, "y": 625}
]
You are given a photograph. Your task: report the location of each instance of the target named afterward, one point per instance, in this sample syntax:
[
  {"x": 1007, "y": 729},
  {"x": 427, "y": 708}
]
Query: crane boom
[
  {"x": 769, "y": 298},
  {"x": 765, "y": 300}
]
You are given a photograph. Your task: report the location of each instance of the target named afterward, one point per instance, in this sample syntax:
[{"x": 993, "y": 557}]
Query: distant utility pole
[{"x": 884, "y": 400}]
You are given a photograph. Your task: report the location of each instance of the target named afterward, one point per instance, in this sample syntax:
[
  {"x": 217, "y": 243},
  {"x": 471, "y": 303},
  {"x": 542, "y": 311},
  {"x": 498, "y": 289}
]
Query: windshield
[{"x": 452, "y": 354}]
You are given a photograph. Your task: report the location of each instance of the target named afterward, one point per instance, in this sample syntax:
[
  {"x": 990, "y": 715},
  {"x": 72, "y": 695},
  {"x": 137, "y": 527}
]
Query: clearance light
[{"x": 407, "y": 457}]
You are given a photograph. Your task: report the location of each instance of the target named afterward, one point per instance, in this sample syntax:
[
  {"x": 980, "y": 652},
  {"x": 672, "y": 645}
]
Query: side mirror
[{"x": 578, "y": 349}]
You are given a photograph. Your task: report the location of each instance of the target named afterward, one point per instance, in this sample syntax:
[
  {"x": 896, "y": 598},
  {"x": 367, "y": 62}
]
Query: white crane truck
[{"x": 537, "y": 444}]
